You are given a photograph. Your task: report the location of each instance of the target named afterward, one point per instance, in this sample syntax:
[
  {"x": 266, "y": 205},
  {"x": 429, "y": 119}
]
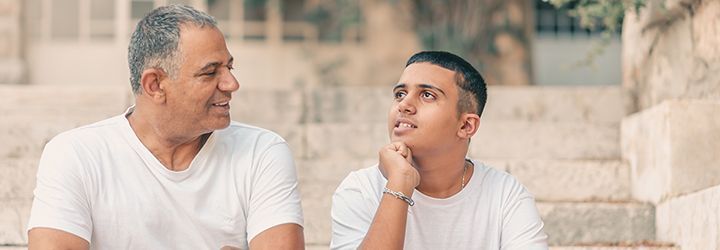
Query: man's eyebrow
[
  {"x": 209, "y": 66},
  {"x": 213, "y": 65},
  {"x": 399, "y": 86}
]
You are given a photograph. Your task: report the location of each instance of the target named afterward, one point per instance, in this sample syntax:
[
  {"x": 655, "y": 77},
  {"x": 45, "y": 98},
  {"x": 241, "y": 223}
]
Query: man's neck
[
  {"x": 442, "y": 176},
  {"x": 174, "y": 150}
]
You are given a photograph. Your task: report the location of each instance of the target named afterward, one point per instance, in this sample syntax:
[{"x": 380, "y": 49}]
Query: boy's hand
[{"x": 396, "y": 166}]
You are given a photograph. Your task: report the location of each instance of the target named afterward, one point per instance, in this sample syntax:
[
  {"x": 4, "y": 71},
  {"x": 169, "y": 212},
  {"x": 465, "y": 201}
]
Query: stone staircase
[{"x": 563, "y": 143}]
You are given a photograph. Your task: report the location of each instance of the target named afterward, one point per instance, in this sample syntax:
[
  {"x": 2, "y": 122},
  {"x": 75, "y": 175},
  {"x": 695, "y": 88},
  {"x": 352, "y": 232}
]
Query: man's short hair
[
  {"x": 472, "y": 94},
  {"x": 154, "y": 43}
]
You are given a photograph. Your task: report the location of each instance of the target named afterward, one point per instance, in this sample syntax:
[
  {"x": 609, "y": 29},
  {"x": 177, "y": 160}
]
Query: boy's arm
[{"x": 387, "y": 230}]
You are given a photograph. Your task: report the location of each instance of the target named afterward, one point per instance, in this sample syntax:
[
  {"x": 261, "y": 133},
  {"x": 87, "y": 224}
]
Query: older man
[{"x": 173, "y": 171}]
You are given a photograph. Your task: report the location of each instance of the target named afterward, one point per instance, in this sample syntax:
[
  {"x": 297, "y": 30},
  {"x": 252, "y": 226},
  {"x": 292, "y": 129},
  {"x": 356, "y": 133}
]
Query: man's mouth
[{"x": 221, "y": 104}]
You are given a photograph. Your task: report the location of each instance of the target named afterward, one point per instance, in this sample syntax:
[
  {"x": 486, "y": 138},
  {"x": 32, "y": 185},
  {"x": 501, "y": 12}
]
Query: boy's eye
[{"x": 428, "y": 95}]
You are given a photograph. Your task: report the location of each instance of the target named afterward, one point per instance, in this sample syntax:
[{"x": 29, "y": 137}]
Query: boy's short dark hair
[{"x": 472, "y": 94}]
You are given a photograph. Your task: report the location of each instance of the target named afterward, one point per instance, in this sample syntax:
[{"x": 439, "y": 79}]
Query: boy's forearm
[{"x": 387, "y": 230}]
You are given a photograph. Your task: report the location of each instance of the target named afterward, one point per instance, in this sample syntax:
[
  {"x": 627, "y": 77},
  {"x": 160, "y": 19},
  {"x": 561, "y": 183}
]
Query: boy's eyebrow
[
  {"x": 422, "y": 85},
  {"x": 430, "y": 86}
]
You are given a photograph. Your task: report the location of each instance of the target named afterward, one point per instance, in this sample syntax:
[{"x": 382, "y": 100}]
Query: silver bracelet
[{"x": 399, "y": 195}]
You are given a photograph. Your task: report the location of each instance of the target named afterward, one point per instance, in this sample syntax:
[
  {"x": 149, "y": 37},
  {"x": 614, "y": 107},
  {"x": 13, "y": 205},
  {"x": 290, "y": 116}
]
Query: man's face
[
  {"x": 199, "y": 97},
  {"x": 424, "y": 111}
]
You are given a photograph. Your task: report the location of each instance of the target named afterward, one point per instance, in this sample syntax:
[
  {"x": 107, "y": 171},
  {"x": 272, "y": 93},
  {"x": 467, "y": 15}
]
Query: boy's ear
[
  {"x": 150, "y": 83},
  {"x": 470, "y": 122}
]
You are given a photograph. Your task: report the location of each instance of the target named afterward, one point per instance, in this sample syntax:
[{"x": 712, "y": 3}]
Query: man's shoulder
[{"x": 246, "y": 131}]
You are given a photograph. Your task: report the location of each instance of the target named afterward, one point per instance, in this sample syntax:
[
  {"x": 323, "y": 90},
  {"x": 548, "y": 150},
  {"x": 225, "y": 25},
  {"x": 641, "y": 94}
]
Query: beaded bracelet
[{"x": 399, "y": 195}]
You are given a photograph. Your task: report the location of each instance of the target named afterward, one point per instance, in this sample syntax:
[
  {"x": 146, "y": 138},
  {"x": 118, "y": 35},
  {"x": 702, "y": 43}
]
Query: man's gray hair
[{"x": 154, "y": 43}]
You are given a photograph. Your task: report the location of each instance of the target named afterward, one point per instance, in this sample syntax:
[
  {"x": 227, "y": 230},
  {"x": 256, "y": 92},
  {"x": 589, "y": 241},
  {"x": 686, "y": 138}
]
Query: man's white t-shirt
[
  {"x": 102, "y": 184},
  {"x": 494, "y": 211}
]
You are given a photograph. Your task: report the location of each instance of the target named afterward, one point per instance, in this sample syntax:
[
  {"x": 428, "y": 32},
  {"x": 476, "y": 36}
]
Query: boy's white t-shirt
[
  {"x": 494, "y": 211},
  {"x": 102, "y": 184}
]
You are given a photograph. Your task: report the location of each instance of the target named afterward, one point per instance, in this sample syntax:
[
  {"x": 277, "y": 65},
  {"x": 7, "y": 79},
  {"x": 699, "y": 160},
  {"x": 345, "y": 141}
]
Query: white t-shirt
[
  {"x": 494, "y": 211},
  {"x": 102, "y": 184}
]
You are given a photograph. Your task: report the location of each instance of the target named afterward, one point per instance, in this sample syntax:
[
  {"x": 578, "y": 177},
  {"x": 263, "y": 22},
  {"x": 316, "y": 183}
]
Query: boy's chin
[{"x": 406, "y": 141}]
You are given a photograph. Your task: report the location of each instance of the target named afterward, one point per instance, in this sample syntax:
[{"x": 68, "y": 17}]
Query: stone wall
[
  {"x": 671, "y": 64},
  {"x": 671, "y": 49},
  {"x": 11, "y": 57}
]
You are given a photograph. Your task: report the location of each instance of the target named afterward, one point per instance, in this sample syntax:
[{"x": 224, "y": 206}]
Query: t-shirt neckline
[
  {"x": 152, "y": 162},
  {"x": 473, "y": 184}
]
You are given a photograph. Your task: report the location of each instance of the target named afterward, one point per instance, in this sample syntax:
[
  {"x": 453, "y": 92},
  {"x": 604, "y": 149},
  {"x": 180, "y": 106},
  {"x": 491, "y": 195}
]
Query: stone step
[
  {"x": 640, "y": 246},
  {"x": 692, "y": 221},
  {"x": 605, "y": 104},
  {"x": 505, "y": 140},
  {"x": 14, "y": 215},
  {"x": 547, "y": 180},
  {"x": 58, "y": 100},
  {"x": 323, "y": 247},
  {"x": 268, "y": 106},
  {"x": 495, "y": 139},
  {"x": 17, "y": 178},
  {"x": 672, "y": 148},
  {"x": 583, "y": 180},
  {"x": 568, "y": 222},
  {"x": 546, "y": 140},
  {"x": 25, "y": 136}
]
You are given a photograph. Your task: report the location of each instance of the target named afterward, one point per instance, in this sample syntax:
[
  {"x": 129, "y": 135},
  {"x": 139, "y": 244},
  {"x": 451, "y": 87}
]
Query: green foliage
[
  {"x": 604, "y": 15},
  {"x": 334, "y": 17}
]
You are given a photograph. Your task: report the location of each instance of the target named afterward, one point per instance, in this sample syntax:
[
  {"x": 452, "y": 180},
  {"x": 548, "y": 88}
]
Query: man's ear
[
  {"x": 470, "y": 122},
  {"x": 150, "y": 83}
]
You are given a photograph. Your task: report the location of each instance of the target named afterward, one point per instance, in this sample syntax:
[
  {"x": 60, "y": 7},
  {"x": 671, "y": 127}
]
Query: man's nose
[{"x": 229, "y": 83}]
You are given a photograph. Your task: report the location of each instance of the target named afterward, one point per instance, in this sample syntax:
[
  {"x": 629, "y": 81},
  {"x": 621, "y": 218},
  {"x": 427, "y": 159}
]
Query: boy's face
[{"x": 424, "y": 112}]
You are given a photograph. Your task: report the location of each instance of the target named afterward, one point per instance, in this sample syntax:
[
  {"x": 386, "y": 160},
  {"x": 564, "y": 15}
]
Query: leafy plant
[{"x": 605, "y": 16}]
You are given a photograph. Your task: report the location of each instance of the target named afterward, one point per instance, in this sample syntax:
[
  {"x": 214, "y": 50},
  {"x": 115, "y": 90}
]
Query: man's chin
[{"x": 221, "y": 124}]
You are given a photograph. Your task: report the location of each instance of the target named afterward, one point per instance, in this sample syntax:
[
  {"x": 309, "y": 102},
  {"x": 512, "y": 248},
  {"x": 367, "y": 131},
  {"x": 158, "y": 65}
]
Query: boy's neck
[{"x": 442, "y": 176}]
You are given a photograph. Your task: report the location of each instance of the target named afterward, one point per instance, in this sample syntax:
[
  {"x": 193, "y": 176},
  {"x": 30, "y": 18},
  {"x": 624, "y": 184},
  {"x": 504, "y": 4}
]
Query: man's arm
[
  {"x": 387, "y": 230},
  {"x": 274, "y": 209},
  {"x": 285, "y": 236},
  {"x": 60, "y": 217},
  {"x": 48, "y": 238}
]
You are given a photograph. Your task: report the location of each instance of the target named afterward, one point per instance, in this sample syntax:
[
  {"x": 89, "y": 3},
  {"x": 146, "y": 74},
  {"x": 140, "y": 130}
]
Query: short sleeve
[
  {"x": 351, "y": 215},
  {"x": 522, "y": 225},
  {"x": 274, "y": 199},
  {"x": 61, "y": 200}
]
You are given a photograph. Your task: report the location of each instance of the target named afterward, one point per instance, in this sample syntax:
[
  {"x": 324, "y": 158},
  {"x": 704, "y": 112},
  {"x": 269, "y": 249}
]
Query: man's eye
[
  {"x": 230, "y": 67},
  {"x": 399, "y": 94},
  {"x": 210, "y": 73}
]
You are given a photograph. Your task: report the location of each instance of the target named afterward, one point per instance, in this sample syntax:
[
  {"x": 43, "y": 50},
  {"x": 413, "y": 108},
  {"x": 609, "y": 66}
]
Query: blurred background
[
  {"x": 608, "y": 111},
  {"x": 317, "y": 42}
]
